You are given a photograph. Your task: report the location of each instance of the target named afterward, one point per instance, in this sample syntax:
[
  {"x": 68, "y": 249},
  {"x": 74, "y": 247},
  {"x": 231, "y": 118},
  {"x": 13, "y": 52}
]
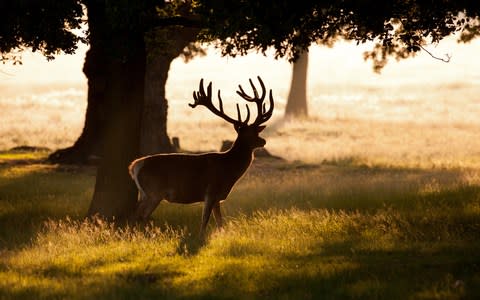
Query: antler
[
  {"x": 263, "y": 115},
  {"x": 200, "y": 98},
  {"x": 205, "y": 99}
]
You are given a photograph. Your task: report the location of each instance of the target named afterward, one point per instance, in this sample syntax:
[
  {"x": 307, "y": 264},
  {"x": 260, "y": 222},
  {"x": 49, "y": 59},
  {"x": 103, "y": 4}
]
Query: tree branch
[{"x": 445, "y": 60}]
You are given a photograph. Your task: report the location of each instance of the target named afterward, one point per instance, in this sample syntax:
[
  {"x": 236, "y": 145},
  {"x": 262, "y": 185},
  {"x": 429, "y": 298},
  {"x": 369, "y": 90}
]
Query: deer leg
[
  {"x": 218, "y": 215},
  {"x": 150, "y": 207},
  {"x": 207, "y": 210},
  {"x": 141, "y": 205},
  {"x": 145, "y": 207}
]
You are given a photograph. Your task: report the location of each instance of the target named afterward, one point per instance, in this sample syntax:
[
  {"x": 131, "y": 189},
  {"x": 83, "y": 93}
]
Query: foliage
[
  {"x": 399, "y": 28},
  {"x": 47, "y": 26}
]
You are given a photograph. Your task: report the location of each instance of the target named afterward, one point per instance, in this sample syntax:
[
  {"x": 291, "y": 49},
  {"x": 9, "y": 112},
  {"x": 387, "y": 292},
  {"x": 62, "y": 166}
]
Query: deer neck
[{"x": 241, "y": 154}]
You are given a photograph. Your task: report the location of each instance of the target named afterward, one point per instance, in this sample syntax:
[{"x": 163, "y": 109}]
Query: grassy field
[
  {"x": 338, "y": 229},
  {"x": 378, "y": 198}
]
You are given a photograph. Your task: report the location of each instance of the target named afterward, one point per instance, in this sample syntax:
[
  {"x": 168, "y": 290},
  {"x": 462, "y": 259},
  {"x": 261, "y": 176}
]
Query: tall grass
[{"x": 293, "y": 230}]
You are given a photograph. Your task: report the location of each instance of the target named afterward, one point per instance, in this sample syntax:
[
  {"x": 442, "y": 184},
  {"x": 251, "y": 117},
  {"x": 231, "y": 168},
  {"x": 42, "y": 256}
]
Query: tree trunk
[
  {"x": 89, "y": 144},
  {"x": 163, "y": 45},
  {"x": 115, "y": 192},
  {"x": 134, "y": 98},
  {"x": 154, "y": 136},
  {"x": 297, "y": 98},
  {"x": 122, "y": 93}
]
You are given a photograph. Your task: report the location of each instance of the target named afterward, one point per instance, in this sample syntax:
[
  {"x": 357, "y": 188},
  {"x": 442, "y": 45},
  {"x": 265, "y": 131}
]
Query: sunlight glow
[{"x": 406, "y": 114}]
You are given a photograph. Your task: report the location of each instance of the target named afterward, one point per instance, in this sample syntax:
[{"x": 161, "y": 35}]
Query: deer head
[{"x": 248, "y": 134}]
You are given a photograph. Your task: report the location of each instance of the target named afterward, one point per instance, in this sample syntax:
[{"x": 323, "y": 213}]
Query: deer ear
[
  {"x": 260, "y": 128},
  {"x": 237, "y": 128}
]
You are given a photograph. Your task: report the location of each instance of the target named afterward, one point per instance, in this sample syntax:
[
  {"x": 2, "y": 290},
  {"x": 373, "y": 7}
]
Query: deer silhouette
[{"x": 207, "y": 177}]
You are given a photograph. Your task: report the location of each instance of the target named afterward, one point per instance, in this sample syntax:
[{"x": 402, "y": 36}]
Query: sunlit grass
[{"x": 293, "y": 230}]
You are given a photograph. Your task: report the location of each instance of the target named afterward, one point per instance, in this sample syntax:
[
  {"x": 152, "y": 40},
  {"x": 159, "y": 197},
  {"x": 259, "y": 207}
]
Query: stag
[{"x": 207, "y": 177}]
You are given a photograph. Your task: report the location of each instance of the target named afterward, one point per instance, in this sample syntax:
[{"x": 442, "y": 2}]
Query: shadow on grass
[{"x": 30, "y": 194}]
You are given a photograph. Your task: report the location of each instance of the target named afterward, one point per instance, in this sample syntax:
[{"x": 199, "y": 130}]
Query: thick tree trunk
[
  {"x": 163, "y": 46},
  {"x": 154, "y": 137},
  {"x": 115, "y": 192},
  {"x": 88, "y": 146},
  {"x": 297, "y": 98},
  {"x": 121, "y": 92}
]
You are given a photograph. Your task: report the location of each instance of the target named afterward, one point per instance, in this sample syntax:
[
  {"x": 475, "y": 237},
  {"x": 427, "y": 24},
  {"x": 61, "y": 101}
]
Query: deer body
[
  {"x": 194, "y": 175},
  {"x": 208, "y": 177}
]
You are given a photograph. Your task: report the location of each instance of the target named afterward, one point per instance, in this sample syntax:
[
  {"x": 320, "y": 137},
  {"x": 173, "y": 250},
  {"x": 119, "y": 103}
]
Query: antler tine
[
  {"x": 200, "y": 98},
  {"x": 268, "y": 114},
  {"x": 262, "y": 114},
  {"x": 240, "y": 117},
  {"x": 255, "y": 97},
  {"x": 255, "y": 93},
  {"x": 220, "y": 102},
  {"x": 205, "y": 99},
  {"x": 263, "y": 88}
]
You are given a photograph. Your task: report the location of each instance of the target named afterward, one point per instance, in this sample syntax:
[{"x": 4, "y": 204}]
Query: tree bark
[
  {"x": 121, "y": 93},
  {"x": 297, "y": 98},
  {"x": 134, "y": 97},
  {"x": 89, "y": 143},
  {"x": 115, "y": 192},
  {"x": 163, "y": 46},
  {"x": 154, "y": 137}
]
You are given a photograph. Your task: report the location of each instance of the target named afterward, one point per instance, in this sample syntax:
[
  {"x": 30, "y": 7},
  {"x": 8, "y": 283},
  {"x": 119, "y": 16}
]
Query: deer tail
[{"x": 134, "y": 170}]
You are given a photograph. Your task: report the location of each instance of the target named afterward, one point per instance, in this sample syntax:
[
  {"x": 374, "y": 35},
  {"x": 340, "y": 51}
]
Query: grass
[{"x": 340, "y": 229}]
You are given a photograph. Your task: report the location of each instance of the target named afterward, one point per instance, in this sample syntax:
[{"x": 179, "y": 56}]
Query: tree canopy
[{"x": 400, "y": 28}]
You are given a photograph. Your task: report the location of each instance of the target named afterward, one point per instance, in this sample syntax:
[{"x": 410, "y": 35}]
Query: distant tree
[
  {"x": 116, "y": 62},
  {"x": 297, "y": 104}
]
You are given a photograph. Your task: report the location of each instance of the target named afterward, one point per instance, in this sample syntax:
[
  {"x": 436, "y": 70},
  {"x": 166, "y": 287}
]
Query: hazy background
[{"x": 420, "y": 111}]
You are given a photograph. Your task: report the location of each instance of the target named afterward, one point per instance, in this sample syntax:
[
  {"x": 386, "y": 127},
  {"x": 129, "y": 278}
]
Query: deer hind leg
[
  {"x": 218, "y": 215},
  {"x": 150, "y": 207},
  {"x": 207, "y": 211},
  {"x": 145, "y": 206},
  {"x": 141, "y": 205}
]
